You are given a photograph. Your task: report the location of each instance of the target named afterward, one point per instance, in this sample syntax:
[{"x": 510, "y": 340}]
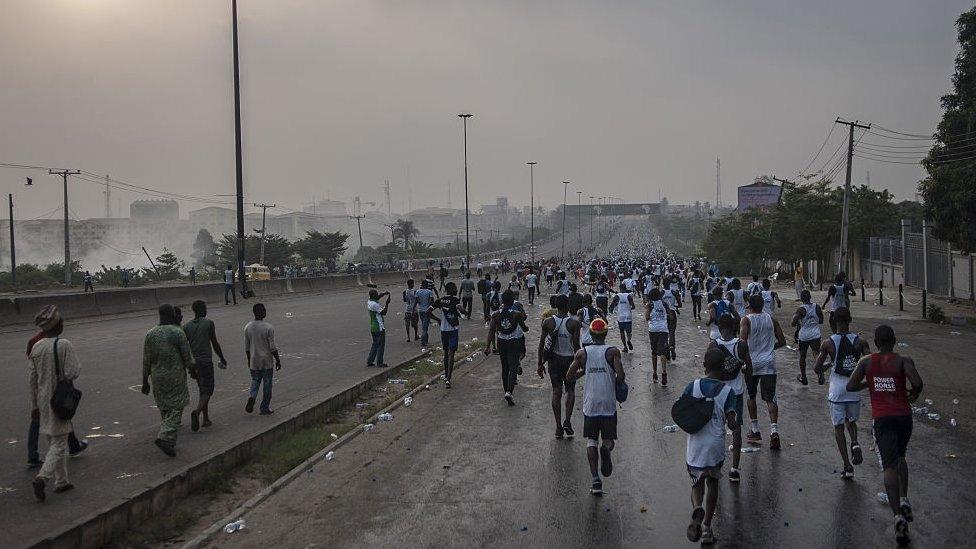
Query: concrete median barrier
[
  {"x": 70, "y": 305},
  {"x": 126, "y": 301},
  {"x": 186, "y": 295},
  {"x": 10, "y": 314}
]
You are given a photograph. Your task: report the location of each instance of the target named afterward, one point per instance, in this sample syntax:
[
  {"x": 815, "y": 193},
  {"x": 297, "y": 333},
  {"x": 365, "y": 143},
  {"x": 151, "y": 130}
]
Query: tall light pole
[
  {"x": 467, "y": 226},
  {"x": 532, "y": 209},
  {"x": 67, "y": 240},
  {"x": 565, "y": 190},
  {"x": 591, "y": 219},
  {"x": 239, "y": 157},
  {"x": 579, "y": 221},
  {"x": 263, "y": 231}
]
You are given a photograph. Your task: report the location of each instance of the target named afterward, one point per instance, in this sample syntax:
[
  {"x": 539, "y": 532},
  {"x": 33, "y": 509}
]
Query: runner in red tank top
[{"x": 884, "y": 374}]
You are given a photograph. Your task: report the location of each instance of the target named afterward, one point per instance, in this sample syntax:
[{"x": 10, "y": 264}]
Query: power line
[{"x": 820, "y": 150}]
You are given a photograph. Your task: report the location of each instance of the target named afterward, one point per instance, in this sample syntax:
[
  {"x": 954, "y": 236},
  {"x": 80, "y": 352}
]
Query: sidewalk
[{"x": 459, "y": 468}]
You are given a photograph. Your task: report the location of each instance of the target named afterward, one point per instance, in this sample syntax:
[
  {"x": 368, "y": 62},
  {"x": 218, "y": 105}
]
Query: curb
[
  {"x": 100, "y": 527},
  {"x": 304, "y": 467}
]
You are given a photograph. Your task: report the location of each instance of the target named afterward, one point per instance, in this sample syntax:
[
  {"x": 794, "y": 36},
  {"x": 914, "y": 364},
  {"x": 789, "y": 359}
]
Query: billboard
[
  {"x": 604, "y": 210},
  {"x": 759, "y": 194}
]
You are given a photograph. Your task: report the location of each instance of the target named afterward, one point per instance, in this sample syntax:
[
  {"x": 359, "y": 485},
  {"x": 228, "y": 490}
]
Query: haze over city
[{"x": 627, "y": 99}]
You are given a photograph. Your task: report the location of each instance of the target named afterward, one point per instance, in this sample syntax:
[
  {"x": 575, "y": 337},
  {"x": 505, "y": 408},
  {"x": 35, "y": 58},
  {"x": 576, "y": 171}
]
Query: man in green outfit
[{"x": 166, "y": 359}]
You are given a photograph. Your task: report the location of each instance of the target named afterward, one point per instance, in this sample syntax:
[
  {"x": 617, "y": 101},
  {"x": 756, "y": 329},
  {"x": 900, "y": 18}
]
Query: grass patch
[{"x": 286, "y": 454}]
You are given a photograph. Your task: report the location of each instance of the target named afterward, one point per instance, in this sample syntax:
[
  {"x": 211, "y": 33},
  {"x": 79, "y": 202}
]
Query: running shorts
[
  {"x": 766, "y": 385},
  {"x": 699, "y": 474},
  {"x": 626, "y": 327},
  {"x": 558, "y": 366},
  {"x": 813, "y": 344},
  {"x": 600, "y": 427},
  {"x": 659, "y": 343},
  {"x": 841, "y": 412},
  {"x": 891, "y": 435},
  {"x": 449, "y": 338}
]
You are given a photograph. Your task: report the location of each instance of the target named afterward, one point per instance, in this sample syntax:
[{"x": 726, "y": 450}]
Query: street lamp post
[
  {"x": 532, "y": 209},
  {"x": 579, "y": 221},
  {"x": 591, "y": 219},
  {"x": 239, "y": 157},
  {"x": 467, "y": 232},
  {"x": 565, "y": 190}
]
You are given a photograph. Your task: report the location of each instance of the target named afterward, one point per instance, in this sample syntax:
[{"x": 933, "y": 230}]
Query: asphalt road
[
  {"x": 460, "y": 468},
  {"x": 323, "y": 338}
]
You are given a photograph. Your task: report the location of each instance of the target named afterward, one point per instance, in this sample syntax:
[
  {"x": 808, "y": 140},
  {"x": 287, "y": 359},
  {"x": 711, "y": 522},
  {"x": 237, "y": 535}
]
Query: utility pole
[
  {"x": 565, "y": 190},
  {"x": 842, "y": 261},
  {"x": 264, "y": 215},
  {"x": 467, "y": 239},
  {"x": 391, "y": 226},
  {"x": 532, "y": 209},
  {"x": 13, "y": 254},
  {"x": 386, "y": 190},
  {"x": 579, "y": 221},
  {"x": 359, "y": 225},
  {"x": 592, "y": 212},
  {"x": 67, "y": 239},
  {"x": 108, "y": 199},
  {"x": 718, "y": 183},
  {"x": 239, "y": 156}
]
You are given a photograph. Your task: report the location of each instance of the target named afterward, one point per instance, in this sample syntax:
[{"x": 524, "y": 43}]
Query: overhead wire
[{"x": 820, "y": 150}]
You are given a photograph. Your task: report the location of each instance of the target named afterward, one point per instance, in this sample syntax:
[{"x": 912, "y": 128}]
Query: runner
[
  {"x": 562, "y": 333},
  {"x": 450, "y": 324},
  {"x": 717, "y": 307},
  {"x": 562, "y": 285},
  {"x": 705, "y": 453},
  {"x": 807, "y": 319},
  {"x": 484, "y": 287},
  {"x": 737, "y": 296},
  {"x": 601, "y": 292},
  {"x": 531, "y": 282},
  {"x": 467, "y": 294},
  {"x": 884, "y": 374},
  {"x": 764, "y": 335},
  {"x": 586, "y": 315},
  {"x": 575, "y": 298},
  {"x": 202, "y": 335},
  {"x": 623, "y": 302},
  {"x": 844, "y": 350},
  {"x": 425, "y": 298},
  {"x": 769, "y": 297},
  {"x": 506, "y": 327},
  {"x": 754, "y": 287},
  {"x": 657, "y": 313},
  {"x": 838, "y": 295},
  {"x": 602, "y": 365},
  {"x": 410, "y": 316},
  {"x": 442, "y": 274},
  {"x": 549, "y": 277},
  {"x": 737, "y": 364},
  {"x": 672, "y": 298},
  {"x": 695, "y": 289}
]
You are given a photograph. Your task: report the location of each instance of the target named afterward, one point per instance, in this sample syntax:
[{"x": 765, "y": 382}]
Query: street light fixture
[
  {"x": 467, "y": 231},
  {"x": 565, "y": 190},
  {"x": 532, "y": 209}
]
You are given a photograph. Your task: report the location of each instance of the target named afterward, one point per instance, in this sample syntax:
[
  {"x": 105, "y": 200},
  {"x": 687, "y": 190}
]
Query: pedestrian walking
[
  {"x": 88, "y": 283},
  {"x": 410, "y": 317},
  {"x": 202, "y": 335},
  {"x": 467, "y": 294},
  {"x": 166, "y": 360},
  {"x": 125, "y": 277},
  {"x": 75, "y": 446},
  {"x": 260, "y": 348},
  {"x": 705, "y": 452},
  {"x": 505, "y": 336},
  {"x": 604, "y": 371},
  {"x": 51, "y": 359},
  {"x": 450, "y": 326},
  {"x": 425, "y": 298},
  {"x": 887, "y": 376},
  {"x": 193, "y": 276},
  {"x": 377, "y": 327},
  {"x": 229, "y": 285}
]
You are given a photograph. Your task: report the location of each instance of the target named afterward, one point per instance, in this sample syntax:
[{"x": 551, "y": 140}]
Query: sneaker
[
  {"x": 906, "y": 510},
  {"x": 695, "y": 528},
  {"x": 568, "y": 429},
  {"x": 267, "y": 412},
  {"x": 624, "y": 348},
  {"x": 194, "y": 421},
  {"x": 754, "y": 437},
  {"x": 559, "y": 433},
  {"x": 63, "y": 488},
  {"x": 847, "y": 473},
  {"x": 734, "y": 475},
  {"x": 673, "y": 356},
  {"x": 509, "y": 399},
  {"x": 249, "y": 407},
  {"x": 39, "y": 489},
  {"x": 630, "y": 345},
  {"x": 606, "y": 464},
  {"x": 664, "y": 380},
  {"x": 802, "y": 379},
  {"x": 901, "y": 530},
  {"x": 447, "y": 384},
  {"x": 707, "y": 536},
  {"x": 654, "y": 377},
  {"x": 820, "y": 378},
  {"x": 774, "y": 441},
  {"x": 597, "y": 488},
  {"x": 384, "y": 365},
  {"x": 166, "y": 447},
  {"x": 857, "y": 457},
  {"x": 82, "y": 446}
]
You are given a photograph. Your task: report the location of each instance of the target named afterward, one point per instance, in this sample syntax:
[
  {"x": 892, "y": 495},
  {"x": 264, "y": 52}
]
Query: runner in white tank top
[{"x": 763, "y": 334}]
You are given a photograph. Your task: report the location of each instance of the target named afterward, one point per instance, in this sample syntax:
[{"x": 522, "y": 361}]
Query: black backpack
[
  {"x": 482, "y": 287},
  {"x": 847, "y": 356},
  {"x": 732, "y": 365},
  {"x": 65, "y": 399},
  {"x": 692, "y": 414},
  {"x": 451, "y": 315}
]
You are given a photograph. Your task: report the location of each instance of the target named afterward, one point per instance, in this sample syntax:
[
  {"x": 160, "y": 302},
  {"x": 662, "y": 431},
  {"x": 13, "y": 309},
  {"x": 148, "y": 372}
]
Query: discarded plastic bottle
[
  {"x": 334, "y": 436},
  {"x": 398, "y": 381},
  {"x": 953, "y": 422},
  {"x": 883, "y": 497},
  {"x": 928, "y": 402},
  {"x": 749, "y": 449},
  {"x": 330, "y": 456},
  {"x": 955, "y": 401},
  {"x": 408, "y": 401},
  {"x": 670, "y": 428},
  {"x": 934, "y": 416},
  {"x": 361, "y": 405},
  {"x": 368, "y": 427},
  {"x": 385, "y": 417},
  {"x": 234, "y": 526}
]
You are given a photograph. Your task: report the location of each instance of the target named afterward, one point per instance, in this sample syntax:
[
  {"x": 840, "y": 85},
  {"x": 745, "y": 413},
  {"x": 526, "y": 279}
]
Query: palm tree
[{"x": 405, "y": 229}]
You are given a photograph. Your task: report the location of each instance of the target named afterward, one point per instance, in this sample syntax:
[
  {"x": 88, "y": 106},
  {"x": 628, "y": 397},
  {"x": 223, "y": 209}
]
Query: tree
[
  {"x": 404, "y": 230},
  {"x": 277, "y": 250},
  {"x": 949, "y": 191},
  {"x": 203, "y": 249},
  {"x": 318, "y": 246},
  {"x": 168, "y": 267}
]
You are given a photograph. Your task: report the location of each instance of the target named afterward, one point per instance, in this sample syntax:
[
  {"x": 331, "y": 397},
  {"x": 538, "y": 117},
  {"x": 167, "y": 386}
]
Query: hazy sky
[{"x": 622, "y": 98}]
